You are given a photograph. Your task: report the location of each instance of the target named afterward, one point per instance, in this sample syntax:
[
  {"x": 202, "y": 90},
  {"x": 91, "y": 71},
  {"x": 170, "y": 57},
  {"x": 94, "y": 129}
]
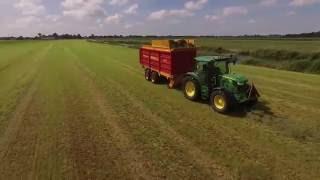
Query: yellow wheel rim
[
  {"x": 219, "y": 102},
  {"x": 190, "y": 89}
]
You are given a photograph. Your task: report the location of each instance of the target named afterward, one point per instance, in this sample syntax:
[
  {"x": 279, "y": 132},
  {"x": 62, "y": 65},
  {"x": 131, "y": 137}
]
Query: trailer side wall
[{"x": 169, "y": 63}]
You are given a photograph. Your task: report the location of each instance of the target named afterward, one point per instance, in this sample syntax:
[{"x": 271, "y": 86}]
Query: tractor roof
[{"x": 215, "y": 58}]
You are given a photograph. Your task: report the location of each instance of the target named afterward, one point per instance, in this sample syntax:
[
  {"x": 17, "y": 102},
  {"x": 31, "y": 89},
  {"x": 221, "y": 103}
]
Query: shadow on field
[{"x": 261, "y": 108}]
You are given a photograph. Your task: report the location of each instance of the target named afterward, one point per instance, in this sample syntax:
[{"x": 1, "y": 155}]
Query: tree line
[{"x": 56, "y": 36}]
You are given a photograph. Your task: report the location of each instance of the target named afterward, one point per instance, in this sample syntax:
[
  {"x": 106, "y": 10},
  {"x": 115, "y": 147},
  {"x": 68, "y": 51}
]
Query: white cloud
[
  {"x": 128, "y": 26},
  {"x": 83, "y": 8},
  {"x": 118, "y": 2},
  {"x": 132, "y": 9},
  {"x": 31, "y": 12},
  {"x": 227, "y": 12},
  {"x": 24, "y": 22},
  {"x": 212, "y": 17},
  {"x": 159, "y": 15},
  {"x": 195, "y": 5},
  {"x": 299, "y": 3},
  {"x": 235, "y": 10},
  {"x": 268, "y": 2},
  {"x": 114, "y": 19},
  {"x": 30, "y": 7},
  {"x": 187, "y": 11},
  {"x": 53, "y": 17}
]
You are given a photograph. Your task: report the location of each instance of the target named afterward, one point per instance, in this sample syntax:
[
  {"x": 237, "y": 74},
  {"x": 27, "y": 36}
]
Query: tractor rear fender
[
  {"x": 192, "y": 75},
  {"x": 188, "y": 75}
]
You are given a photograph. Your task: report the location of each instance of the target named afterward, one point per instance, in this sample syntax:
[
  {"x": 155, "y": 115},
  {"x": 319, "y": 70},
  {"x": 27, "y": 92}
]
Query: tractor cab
[
  {"x": 212, "y": 79},
  {"x": 210, "y": 68},
  {"x": 216, "y": 64}
]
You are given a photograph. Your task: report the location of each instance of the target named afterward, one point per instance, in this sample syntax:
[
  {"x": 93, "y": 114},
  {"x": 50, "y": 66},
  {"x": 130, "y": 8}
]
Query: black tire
[
  {"x": 220, "y": 101},
  {"x": 191, "y": 93},
  {"x": 147, "y": 74},
  {"x": 155, "y": 78}
]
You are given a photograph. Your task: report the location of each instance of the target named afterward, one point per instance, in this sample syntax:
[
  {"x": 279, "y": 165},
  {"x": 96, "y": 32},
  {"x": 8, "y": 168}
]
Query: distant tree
[
  {"x": 79, "y": 36},
  {"x": 20, "y": 38},
  {"x": 39, "y": 35},
  {"x": 55, "y": 36},
  {"x": 92, "y": 36}
]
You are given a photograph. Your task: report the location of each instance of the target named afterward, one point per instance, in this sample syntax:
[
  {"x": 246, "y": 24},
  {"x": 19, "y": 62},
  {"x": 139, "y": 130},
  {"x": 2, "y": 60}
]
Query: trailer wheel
[
  {"x": 191, "y": 89},
  {"x": 155, "y": 78},
  {"x": 220, "y": 101},
  {"x": 147, "y": 74}
]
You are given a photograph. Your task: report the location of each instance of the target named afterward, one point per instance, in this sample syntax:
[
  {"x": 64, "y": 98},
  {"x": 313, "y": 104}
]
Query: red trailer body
[{"x": 169, "y": 63}]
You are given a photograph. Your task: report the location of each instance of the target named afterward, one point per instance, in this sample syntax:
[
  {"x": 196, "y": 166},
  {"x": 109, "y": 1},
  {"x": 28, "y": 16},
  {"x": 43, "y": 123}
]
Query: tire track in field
[
  {"x": 199, "y": 157},
  {"x": 138, "y": 166},
  {"x": 11, "y": 62},
  {"x": 19, "y": 141},
  {"x": 16, "y": 120},
  {"x": 18, "y": 115},
  {"x": 19, "y": 159}
]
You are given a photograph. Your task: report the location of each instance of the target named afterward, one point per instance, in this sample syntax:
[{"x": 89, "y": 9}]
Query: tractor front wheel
[
  {"x": 220, "y": 102},
  {"x": 191, "y": 89}
]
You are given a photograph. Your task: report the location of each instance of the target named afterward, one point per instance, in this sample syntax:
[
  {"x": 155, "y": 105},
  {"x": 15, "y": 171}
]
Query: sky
[{"x": 158, "y": 17}]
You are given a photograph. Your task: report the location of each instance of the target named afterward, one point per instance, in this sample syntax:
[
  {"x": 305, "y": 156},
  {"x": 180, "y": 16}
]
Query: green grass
[
  {"x": 92, "y": 115},
  {"x": 252, "y": 44},
  {"x": 301, "y": 55}
]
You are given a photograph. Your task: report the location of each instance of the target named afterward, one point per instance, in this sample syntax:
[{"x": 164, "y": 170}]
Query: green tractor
[{"x": 213, "y": 80}]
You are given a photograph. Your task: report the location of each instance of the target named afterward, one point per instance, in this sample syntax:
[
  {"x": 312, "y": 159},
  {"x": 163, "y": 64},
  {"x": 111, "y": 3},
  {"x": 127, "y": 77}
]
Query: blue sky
[{"x": 160, "y": 17}]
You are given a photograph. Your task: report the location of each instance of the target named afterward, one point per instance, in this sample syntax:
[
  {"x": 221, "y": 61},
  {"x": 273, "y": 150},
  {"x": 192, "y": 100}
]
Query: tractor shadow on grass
[{"x": 260, "y": 109}]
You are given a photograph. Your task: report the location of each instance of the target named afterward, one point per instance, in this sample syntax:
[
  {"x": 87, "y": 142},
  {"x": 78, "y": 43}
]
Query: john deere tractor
[{"x": 213, "y": 80}]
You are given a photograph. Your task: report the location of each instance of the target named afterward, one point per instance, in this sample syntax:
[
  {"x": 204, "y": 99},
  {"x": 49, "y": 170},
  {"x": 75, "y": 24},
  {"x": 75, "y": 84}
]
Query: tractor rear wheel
[
  {"x": 191, "y": 89},
  {"x": 155, "y": 78},
  {"x": 220, "y": 101},
  {"x": 147, "y": 74}
]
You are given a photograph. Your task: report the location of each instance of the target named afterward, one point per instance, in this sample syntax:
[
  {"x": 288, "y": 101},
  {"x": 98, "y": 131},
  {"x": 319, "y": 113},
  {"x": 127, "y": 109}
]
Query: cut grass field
[{"x": 80, "y": 110}]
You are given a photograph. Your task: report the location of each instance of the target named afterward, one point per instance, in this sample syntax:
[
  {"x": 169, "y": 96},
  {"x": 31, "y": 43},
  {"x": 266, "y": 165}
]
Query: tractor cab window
[
  {"x": 222, "y": 67},
  {"x": 205, "y": 67},
  {"x": 201, "y": 67}
]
